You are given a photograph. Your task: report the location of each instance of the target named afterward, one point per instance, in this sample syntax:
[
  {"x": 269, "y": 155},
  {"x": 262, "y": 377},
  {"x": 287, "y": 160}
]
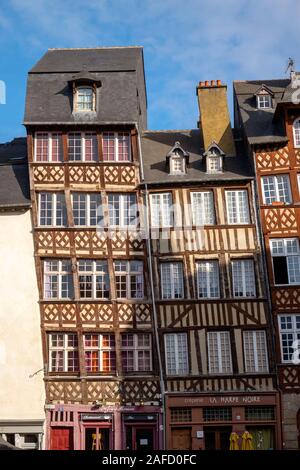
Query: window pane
[
  {"x": 57, "y": 148},
  {"x": 208, "y": 279},
  {"x": 41, "y": 147},
  {"x": 297, "y": 132},
  {"x": 176, "y": 354},
  {"x": 108, "y": 146},
  {"x": 74, "y": 146},
  {"x": 46, "y": 208},
  {"x": 237, "y": 207},
  {"x": 243, "y": 278},
  {"x": 91, "y": 146},
  {"x": 161, "y": 210},
  {"x": 172, "y": 281},
  {"x": 255, "y": 351},
  {"x": 219, "y": 352},
  {"x": 203, "y": 208},
  {"x": 123, "y": 146},
  {"x": 85, "y": 99},
  {"x": 61, "y": 210}
]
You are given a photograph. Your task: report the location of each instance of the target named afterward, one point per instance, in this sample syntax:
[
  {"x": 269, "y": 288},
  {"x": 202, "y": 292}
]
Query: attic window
[
  {"x": 177, "y": 160},
  {"x": 264, "y": 101},
  {"x": 177, "y": 166},
  {"x": 85, "y": 99},
  {"x": 214, "y": 160}
]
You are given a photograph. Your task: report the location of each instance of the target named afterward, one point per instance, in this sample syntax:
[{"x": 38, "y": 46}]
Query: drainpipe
[{"x": 150, "y": 264}]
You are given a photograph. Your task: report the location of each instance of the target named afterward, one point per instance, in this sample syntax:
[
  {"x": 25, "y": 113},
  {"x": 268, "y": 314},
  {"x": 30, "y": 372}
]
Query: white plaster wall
[{"x": 21, "y": 397}]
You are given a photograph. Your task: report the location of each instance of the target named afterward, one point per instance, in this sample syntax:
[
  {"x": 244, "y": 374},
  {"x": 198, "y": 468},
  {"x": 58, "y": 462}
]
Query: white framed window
[
  {"x": 203, "y": 210},
  {"x": 82, "y": 146},
  {"x": 255, "y": 351},
  {"x": 264, "y": 101},
  {"x": 285, "y": 254},
  {"x": 99, "y": 352},
  {"x": 208, "y": 284},
  {"x": 172, "y": 280},
  {"x": 243, "y": 278},
  {"x": 214, "y": 164},
  {"x": 177, "y": 165},
  {"x": 161, "y": 210},
  {"x": 58, "y": 279},
  {"x": 93, "y": 279},
  {"x": 87, "y": 209},
  {"x": 276, "y": 188},
  {"x": 176, "y": 354},
  {"x": 136, "y": 352},
  {"x": 289, "y": 331},
  {"x": 296, "y": 132},
  {"x": 85, "y": 99},
  {"x": 52, "y": 209},
  {"x": 116, "y": 146},
  {"x": 237, "y": 207},
  {"x": 129, "y": 279},
  {"x": 219, "y": 352},
  {"x": 122, "y": 210},
  {"x": 48, "y": 147},
  {"x": 63, "y": 352}
]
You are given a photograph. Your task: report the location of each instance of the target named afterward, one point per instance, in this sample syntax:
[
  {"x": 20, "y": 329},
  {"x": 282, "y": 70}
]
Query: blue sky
[{"x": 184, "y": 41}]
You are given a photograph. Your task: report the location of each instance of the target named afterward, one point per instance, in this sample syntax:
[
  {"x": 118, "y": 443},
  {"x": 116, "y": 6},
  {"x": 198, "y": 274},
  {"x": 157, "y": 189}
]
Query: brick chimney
[{"x": 214, "y": 116}]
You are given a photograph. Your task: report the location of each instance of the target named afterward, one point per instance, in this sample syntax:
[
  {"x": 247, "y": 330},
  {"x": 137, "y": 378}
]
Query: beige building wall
[{"x": 21, "y": 392}]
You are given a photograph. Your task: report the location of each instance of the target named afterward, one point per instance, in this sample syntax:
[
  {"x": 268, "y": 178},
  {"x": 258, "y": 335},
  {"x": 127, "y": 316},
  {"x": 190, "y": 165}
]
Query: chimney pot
[
  {"x": 218, "y": 82},
  {"x": 206, "y": 82},
  {"x": 212, "y": 82},
  {"x": 201, "y": 83}
]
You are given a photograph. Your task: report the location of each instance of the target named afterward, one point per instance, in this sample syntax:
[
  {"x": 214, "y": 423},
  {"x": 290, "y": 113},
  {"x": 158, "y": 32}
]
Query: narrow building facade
[
  {"x": 84, "y": 110},
  {"x": 267, "y": 114},
  {"x": 209, "y": 284}
]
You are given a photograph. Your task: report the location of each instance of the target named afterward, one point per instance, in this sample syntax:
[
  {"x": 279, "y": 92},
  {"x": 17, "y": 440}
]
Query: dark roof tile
[{"x": 157, "y": 144}]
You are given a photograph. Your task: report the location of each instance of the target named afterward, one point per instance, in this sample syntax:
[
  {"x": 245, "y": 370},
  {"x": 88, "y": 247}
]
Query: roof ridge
[
  {"x": 92, "y": 47},
  {"x": 168, "y": 130},
  {"x": 260, "y": 80}
]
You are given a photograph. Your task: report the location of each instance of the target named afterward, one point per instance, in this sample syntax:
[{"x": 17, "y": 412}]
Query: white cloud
[{"x": 185, "y": 41}]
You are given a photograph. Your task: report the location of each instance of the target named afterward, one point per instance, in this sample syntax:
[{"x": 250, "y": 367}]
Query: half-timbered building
[
  {"x": 267, "y": 113},
  {"x": 84, "y": 110},
  {"x": 207, "y": 277}
]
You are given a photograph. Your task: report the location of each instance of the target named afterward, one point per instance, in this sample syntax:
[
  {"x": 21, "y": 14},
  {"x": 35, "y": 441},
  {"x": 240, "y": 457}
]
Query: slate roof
[
  {"x": 259, "y": 125},
  {"x": 120, "y": 99},
  {"x": 14, "y": 179},
  {"x": 157, "y": 144}
]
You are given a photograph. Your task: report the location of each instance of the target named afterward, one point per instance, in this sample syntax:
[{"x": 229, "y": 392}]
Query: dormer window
[
  {"x": 177, "y": 160},
  {"x": 84, "y": 87},
  {"x": 214, "y": 159},
  {"x": 264, "y": 97},
  {"x": 177, "y": 164},
  {"x": 85, "y": 99},
  {"x": 264, "y": 101}
]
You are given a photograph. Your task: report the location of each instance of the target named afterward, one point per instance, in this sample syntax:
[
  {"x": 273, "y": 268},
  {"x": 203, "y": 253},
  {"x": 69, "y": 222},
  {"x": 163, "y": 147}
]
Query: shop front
[
  {"x": 94, "y": 428},
  {"x": 213, "y": 422}
]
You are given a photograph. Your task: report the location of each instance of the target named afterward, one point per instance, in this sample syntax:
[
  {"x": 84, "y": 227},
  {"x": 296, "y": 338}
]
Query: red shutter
[{"x": 61, "y": 439}]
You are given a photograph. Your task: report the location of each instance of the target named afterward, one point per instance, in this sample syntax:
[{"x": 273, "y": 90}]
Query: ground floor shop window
[
  {"x": 263, "y": 437},
  {"x": 97, "y": 438}
]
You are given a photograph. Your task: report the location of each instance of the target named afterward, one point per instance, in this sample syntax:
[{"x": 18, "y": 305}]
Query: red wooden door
[{"x": 61, "y": 439}]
